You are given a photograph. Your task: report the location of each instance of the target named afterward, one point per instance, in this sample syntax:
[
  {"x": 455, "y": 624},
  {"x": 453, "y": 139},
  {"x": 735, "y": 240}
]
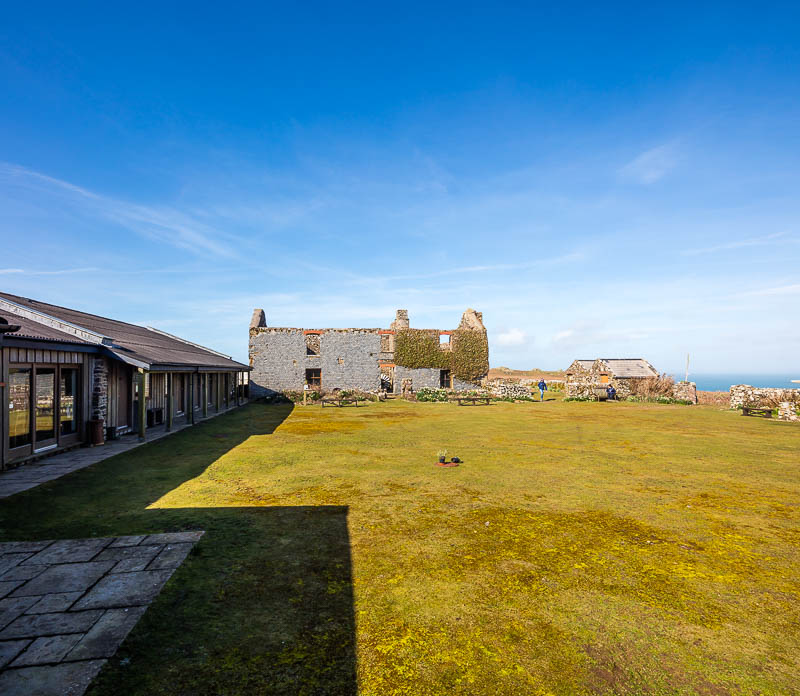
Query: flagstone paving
[{"x": 67, "y": 605}]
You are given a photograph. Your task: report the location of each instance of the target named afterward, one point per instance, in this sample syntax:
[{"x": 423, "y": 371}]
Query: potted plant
[{"x": 442, "y": 456}]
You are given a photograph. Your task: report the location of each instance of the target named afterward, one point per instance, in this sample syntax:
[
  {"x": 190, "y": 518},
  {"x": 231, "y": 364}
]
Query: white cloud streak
[
  {"x": 161, "y": 223},
  {"x": 653, "y": 164}
]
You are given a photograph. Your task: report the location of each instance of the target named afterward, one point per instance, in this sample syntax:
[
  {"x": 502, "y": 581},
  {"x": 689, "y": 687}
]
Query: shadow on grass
[{"x": 264, "y": 604}]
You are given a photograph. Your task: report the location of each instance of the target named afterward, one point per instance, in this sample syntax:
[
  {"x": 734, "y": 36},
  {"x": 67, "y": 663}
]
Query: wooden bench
[
  {"x": 753, "y": 411},
  {"x": 474, "y": 400},
  {"x": 347, "y": 401}
]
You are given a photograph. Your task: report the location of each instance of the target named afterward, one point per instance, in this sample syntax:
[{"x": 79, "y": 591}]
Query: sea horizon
[{"x": 723, "y": 381}]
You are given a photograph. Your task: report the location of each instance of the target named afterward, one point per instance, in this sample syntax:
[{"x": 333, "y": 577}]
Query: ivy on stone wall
[
  {"x": 420, "y": 348},
  {"x": 470, "y": 355},
  {"x": 467, "y": 359}
]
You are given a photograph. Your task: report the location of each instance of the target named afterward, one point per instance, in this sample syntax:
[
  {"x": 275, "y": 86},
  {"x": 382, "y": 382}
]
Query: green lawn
[{"x": 581, "y": 548}]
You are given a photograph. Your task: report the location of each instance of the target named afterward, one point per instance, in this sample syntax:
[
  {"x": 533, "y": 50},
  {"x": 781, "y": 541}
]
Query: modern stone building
[
  {"x": 66, "y": 376},
  {"x": 393, "y": 359}
]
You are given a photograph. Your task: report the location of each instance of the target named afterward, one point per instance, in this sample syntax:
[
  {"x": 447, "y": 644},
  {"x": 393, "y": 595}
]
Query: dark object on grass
[
  {"x": 455, "y": 460},
  {"x": 441, "y": 459}
]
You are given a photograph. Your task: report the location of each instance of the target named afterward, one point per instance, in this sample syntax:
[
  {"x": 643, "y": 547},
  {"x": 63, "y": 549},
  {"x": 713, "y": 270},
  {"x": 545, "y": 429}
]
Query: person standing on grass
[{"x": 542, "y": 388}]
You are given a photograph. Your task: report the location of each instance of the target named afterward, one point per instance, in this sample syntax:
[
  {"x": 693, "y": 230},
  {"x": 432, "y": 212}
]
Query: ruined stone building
[{"x": 393, "y": 359}]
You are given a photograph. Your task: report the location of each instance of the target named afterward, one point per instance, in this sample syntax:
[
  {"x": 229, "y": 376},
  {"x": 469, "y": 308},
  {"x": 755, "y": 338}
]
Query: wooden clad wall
[
  {"x": 158, "y": 390},
  {"x": 29, "y": 355}
]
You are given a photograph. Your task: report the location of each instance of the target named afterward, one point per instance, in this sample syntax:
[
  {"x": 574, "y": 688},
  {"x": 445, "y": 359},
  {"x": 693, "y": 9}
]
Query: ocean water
[{"x": 723, "y": 382}]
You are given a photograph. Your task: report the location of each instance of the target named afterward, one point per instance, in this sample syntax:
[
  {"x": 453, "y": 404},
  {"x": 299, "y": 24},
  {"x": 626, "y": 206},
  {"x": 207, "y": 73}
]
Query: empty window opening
[
  {"x": 444, "y": 338},
  {"x": 387, "y": 343},
  {"x": 314, "y": 377},
  {"x": 445, "y": 380},
  {"x": 312, "y": 344}
]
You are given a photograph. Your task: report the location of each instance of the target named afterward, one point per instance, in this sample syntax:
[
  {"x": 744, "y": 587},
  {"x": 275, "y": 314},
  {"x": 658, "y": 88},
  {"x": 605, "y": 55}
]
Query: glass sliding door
[
  {"x": 68, "y": 401},
  {"x": 19, "y": 407},
  {"x": 45, "y": 407}
]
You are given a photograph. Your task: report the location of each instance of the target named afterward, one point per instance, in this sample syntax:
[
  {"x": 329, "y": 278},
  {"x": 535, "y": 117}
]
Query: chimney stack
[
  {"x": 401, "y": 320},
  {"x": 259, "y": 319}
]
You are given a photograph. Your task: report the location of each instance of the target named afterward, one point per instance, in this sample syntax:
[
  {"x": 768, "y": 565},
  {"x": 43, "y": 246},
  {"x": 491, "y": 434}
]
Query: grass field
[{"x": 581, "y": 548}]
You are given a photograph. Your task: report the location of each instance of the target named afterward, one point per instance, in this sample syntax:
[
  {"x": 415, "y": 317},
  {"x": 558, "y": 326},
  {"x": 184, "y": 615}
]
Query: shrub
[
  {"x": 652, "y": 387},
  {"x": 659, "y": 400},
  {"x": 429, "y": 394}
]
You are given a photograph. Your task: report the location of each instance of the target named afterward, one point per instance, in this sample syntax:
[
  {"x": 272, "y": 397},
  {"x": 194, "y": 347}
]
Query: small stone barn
[
  {"x": 66, "y": 376},
  {"x": 370, "y": 360},
  {"x": 584, "y": 376}
]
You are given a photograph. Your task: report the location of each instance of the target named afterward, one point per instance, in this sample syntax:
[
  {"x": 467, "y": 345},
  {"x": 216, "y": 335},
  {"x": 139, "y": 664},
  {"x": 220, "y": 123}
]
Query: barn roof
[
  {"x": 630, "y": 367},
  {"x": 137, "y": 345}
]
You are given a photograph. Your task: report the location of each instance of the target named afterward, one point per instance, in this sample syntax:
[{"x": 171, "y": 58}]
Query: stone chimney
[
  {"x": 401, "y": 320},
  {"x": 472, "y": 320},
  {"x": 259, "y": 319}
]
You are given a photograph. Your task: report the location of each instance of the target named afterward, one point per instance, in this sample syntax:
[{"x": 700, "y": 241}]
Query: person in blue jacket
[
  {"x": 612, "y": 393},
  {"x": 542, "y": 388}
]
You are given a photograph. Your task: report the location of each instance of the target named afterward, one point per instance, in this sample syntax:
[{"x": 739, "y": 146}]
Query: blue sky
[{"x": 614, "y": 181}]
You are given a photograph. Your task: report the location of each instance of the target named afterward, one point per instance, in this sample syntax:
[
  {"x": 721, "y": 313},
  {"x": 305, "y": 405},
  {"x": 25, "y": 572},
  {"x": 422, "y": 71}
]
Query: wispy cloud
[
  {"x": 775, "y": 238},
  {"x": 793, "y": 289},
  {"x": 62, "y": 271},
  {"x": 161, "y": 223},
  {"x": 653, "y": 164},
  {"x": 512, "y": 337}
]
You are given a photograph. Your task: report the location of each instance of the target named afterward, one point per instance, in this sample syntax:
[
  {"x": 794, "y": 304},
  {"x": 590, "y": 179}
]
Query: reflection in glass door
[
  {"x": 68, "y": 401},
  {"x": 45, "y": 407},
  {"x": 19, "y": 407}
]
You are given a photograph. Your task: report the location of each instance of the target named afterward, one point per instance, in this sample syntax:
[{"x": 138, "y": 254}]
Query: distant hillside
[{"x": 508, "y": 373}]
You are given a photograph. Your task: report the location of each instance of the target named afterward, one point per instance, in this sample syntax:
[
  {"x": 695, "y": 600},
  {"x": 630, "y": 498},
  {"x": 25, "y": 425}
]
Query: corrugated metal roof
[
  {"x": 32, "y": 329},
  {"x": 630, "y": 367},
  {"x": 137, "y": 342}
]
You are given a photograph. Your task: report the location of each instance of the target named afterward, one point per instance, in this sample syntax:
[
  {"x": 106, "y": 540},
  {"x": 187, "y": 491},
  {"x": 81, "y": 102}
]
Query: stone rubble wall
[
  {"x": 348, "y": 359},
  {"x": 745, "y": 395},
  {"x": 787, "y": 411},
  {"x": 510, "y": 390},
  {"x": 686, "y": 391},
  {"x": 98, "y": 388},
  {"x": 583, "y": 385}
]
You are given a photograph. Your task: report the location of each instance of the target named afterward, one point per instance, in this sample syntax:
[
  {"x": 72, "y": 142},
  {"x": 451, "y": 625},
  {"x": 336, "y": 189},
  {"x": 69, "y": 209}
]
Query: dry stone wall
[
  {"x": 787, "y": 411},
  {"x": 745, "y": 395},
  {"x": 686, "y": 391},
  {"x": 510, "y": 390}
]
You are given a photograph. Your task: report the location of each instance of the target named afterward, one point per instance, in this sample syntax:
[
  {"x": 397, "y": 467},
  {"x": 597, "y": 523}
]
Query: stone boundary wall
[
  {"x": 511, "y": 391},
  {"x": 787, "y": 411},
  {"x": 686, "y": 391},
  {"x": 745, "y": 395}
]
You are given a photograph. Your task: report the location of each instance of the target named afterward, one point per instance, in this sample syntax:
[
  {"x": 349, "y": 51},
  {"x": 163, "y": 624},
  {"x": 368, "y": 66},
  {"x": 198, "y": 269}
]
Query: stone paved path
[
  {"x": 30, "y": 475},
  {"x": 66, "y": 606}
]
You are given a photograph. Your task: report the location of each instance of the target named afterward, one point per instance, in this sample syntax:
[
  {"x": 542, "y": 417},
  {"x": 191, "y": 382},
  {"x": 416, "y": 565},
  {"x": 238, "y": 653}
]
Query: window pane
[
  {"x": 19, "y": 407},
  {"x": 45, "y": 403},
  {"x": 68, "y": 409}
]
